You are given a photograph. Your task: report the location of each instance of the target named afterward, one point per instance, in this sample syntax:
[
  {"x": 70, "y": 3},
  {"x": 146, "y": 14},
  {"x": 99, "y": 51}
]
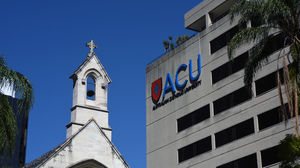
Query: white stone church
[{"x": 88, "y": 143}]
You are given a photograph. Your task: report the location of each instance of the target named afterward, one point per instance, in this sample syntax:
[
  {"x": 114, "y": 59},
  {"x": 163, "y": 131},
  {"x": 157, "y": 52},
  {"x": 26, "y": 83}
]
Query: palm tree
[
  {"x": 166, "y": 45},
  {"x": 179, "y": 40},
  {"x": 289, "y": 152},
  {"x": 170, "y": 38},
  {"x": 268, "y": 19},
  {"x": 24, "y": 92},
  {"x": 186, "y": 37},
  {"x": 171, "y": 44}
]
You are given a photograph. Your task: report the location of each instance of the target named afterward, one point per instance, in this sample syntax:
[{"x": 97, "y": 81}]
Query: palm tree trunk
[
  {"x": 296, "y": 110},
  {"x": 287, "y": 86},
  {"x": 282, "y": 107},
  {"x": 296, "y": 95}
]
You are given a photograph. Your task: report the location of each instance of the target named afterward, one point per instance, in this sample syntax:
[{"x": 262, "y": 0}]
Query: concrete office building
[
  {"x": 199, "y": 113},
  {"x": 18, "y": 157}
]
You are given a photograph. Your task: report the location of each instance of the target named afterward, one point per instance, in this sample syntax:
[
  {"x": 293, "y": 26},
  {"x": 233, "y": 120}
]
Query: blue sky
[{"x": 45, "y": 41}]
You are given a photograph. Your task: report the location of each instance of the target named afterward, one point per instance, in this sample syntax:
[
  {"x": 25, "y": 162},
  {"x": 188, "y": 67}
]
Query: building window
[
  {"x": 271, "y": 117},
  {"x": 222, "y": 40},
  {"x": 269, "y": 156},
  {"x": 90, "y": 88},
  {"x": 218, "y": 17},
  {"x": 221, "y": 11},
  {"x": 268, "y": 82},
  {"x": 274, "y": 44},
  {"x": 229, "y": 68},
  {"x": 239, "y": 96},
  {"x": 235, "y": 132},
  {"x": 256, "y": 23},
  {"x": 194, "y": 149},
  {"x": 193, "y": 118},
  {"x": 249, "y": 161}
]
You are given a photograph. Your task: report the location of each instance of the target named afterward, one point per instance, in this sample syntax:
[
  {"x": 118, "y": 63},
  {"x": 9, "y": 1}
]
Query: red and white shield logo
[{"x": 156, "y": 89}]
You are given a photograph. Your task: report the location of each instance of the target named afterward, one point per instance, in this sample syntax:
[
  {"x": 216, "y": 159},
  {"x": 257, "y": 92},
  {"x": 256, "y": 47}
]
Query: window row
[
  {"x": 229, "y": 68},
  {"x": 235, "y": 132},
  {"x": 230, "y": 100},
  {"x": 272, "y": 117},
  {"x": 241, "y": 95},
  {"x": 275, "y": 43},
  {"x": 268, "y": 82},
  {"x": 238, "y": 63},
  {"x": 268, "y": 157},
  {"x": 221, "y": 41},
  {"x": 194, "y": 149},
  {"x": 249, "y": 161},
  {"x": 193, "y": 118}
]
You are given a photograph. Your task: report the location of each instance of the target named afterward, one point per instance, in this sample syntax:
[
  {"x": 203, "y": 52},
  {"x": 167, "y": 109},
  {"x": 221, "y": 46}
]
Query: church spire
[{"x": 90, "y": 89}]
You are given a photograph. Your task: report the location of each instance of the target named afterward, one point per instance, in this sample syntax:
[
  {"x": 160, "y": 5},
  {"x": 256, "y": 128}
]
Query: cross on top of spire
[{"x": 91, "y": 45}]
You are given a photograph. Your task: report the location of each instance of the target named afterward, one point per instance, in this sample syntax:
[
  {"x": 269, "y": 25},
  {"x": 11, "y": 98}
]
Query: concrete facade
[{"x": 164, "y": 141}]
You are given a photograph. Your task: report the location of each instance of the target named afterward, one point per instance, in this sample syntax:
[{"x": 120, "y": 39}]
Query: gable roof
[
  {"x": 41, "y": 159},
  {"x": 84, "y": 64},
  {"x": 47, "y": 156}
]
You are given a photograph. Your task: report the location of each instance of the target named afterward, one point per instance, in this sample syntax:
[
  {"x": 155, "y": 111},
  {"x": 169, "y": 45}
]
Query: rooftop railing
[{"x": 171, "y": 50}]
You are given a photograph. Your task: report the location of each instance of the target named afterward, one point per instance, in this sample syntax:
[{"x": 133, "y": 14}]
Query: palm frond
[
  {"x": 166, "y": 45},
  {"x": 257, "y": 58},
  {"x": 288, "y": 151},
  {"x": 21, "y": 85},
  {"x": 267, "y": 18},
  {"x": 8, "y": 127},
  {"x": 248, "y": 10},
  {"x": 24, "y": 93},
  {"x": 246, "y": 36},
  {"x": 295, "y": 51}
]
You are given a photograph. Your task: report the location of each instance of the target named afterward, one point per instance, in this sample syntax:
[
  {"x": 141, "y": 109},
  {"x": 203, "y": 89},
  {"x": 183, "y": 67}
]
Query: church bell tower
[{"x": 90, "y": 85}]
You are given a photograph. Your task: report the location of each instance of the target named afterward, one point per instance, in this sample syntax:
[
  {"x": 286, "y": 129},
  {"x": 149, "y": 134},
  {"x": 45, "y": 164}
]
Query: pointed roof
[
  {"x": 41, "y": 159},
  {"x": 85, "y": 63},
  {"x": 47, "y": 156}
]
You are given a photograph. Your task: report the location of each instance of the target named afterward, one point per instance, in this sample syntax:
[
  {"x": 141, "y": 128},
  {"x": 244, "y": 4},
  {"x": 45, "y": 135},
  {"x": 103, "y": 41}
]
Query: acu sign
[{"x": 169, "y": 83}]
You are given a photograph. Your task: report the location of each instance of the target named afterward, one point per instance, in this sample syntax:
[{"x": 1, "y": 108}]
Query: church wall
[
  {"x": 89, "y": 143},
  {"x": 82, "y": 115}
]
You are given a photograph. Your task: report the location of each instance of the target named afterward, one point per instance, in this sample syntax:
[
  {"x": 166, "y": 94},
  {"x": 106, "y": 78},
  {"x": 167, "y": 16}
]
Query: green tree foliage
[
  {"x": 289, "y": 152},
  {"x": 166, "y": 45},
  {"x": 170, "y": 38},
  {"x": 172, "y": 46},
  {"x": 24, "y": 92},
  {"x": 182, "y": 39},
  {"x": 268, "y": 19},
  {"x": 169, "y": 45},
  {"x": 179, "y": 40}
]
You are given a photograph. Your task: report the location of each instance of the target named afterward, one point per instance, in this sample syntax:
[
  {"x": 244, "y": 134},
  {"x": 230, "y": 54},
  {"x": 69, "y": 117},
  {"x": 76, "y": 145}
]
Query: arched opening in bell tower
[{"x": 90, "y": 91}]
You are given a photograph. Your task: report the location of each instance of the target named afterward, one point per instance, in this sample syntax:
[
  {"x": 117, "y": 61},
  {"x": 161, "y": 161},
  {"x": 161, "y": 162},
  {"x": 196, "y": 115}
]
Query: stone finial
[{"x": 91, "y": 45}]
